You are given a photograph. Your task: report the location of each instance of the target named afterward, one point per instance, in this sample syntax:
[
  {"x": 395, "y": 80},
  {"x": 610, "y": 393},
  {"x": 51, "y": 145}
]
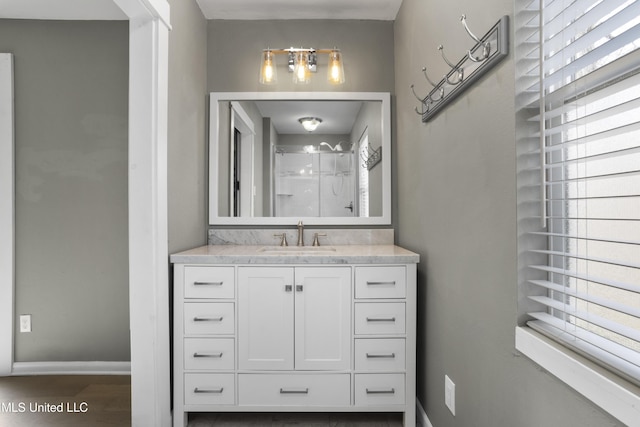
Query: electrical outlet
[
  {"x": 450, "y": 394},
  {"x": 25, "y": 323}
]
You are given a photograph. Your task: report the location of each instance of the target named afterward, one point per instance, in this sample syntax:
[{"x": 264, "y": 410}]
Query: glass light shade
[
  {"x": 310, "y": 123},
  {"x": 268, "y": 70},
  {"x": 301, "y": 72},
  {"x": 336, "y": 69}
]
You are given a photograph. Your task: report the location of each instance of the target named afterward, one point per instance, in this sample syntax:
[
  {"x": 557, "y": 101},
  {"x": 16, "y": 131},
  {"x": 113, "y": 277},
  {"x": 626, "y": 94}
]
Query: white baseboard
[
  {"x": 71, "y": 368},
  {"x": 421, "y": 415}
]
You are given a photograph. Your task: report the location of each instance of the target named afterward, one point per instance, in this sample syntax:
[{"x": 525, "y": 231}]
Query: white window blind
[{"x": 588, "y": 108}]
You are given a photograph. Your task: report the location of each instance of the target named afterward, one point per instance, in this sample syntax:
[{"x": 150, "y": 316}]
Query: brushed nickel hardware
[
  {"x": 293, "y": 391},
  {"x": 381, "y": 356},
  {"x": 288, "y": 288},
  {"x": 216, "y": 391},
  {"x": 388, "y": 391},
  {"x": 300, "y": 233},
  {"x": 392, "y": 283},
  {"x": 208, "y": 319},
  {"x": 299, "y": 288},
  {"x": 283, "y": 238},
  {"x": 208, "y": 283},
  {"x": 213, "y": 355},
  {"x": 316, "y": 242},
  {"x": 381, "y": 319}
]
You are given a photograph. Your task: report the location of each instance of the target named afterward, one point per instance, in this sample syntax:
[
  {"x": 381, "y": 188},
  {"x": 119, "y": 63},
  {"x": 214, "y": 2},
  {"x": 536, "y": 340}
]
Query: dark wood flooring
[
  {"x": 84, "y": 400},
  {"x": 105, "y": 400}
]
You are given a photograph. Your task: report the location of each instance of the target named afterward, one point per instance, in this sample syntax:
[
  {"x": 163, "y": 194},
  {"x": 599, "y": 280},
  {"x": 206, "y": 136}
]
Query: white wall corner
[
  {"x": 7, "y": 216},
  {"x": 421, "y": 416}
]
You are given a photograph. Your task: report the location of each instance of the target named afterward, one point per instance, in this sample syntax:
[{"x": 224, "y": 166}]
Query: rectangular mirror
[{"x": 265, "y": 168}]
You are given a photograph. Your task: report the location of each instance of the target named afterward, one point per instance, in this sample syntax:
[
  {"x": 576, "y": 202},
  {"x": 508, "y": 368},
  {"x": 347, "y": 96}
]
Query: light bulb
[
  {"x": 301, "y": 73},
  {"x": 268, "y": 74},
  {"x": 336, "y": 69}
]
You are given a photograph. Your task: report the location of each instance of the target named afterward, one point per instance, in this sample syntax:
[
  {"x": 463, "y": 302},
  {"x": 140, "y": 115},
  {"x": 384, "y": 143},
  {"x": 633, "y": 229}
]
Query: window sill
[{"x": 609, "y": 392}]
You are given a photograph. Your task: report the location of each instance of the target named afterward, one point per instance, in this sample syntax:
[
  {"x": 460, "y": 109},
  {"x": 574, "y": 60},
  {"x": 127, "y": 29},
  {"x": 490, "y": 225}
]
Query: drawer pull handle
[
  {"x": 381, "y": 319},
  {"x": 392, "y": 283},
  {"x": 213, "y": 355},
  {"x": 216, "y": 391},
  {"x": 381, "y": 356},
  {"x": 208, "y": 319},
  {"x": 208, "y": 283},
  {"x": 292, "y": 391},
  {"x": 391, "y": 391}
]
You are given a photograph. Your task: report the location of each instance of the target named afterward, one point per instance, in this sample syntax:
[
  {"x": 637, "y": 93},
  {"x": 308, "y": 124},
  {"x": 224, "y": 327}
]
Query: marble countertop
[{"x": 338, "y": 254}]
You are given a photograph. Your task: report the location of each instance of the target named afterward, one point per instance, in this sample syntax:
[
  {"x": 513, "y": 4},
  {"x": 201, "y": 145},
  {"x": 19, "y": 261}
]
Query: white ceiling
[
  {"x": 61, "y": 9},
  {"x": 385, "y": 10},
  {"x": 212, "y": 9},
  {"x": 338, "y": 117}
]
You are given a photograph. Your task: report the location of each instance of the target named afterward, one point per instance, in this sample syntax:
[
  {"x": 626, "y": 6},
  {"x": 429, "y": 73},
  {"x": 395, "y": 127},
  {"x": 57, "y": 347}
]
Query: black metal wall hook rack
[{"x": 484, "y": 55}]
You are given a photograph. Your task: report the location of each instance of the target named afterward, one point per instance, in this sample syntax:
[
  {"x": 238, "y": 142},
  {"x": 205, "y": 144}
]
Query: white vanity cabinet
[
  {"x": 331, "y": 332},
  {"x": 294, "y": 318}
]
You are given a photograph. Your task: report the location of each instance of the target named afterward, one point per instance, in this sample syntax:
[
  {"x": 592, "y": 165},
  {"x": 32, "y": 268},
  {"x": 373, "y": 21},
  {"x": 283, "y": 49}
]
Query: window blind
[{"x": 587, "y": 103}]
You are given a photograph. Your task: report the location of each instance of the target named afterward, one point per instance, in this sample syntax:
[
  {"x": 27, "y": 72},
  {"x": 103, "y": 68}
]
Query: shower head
[{"x": 337, "y": 147}]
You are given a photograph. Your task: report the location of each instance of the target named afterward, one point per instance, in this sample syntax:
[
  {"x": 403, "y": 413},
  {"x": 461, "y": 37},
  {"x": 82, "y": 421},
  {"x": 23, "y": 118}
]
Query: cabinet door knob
[
  {"x": 288, "y": 288},
  {"x": 299, "y": 288}
]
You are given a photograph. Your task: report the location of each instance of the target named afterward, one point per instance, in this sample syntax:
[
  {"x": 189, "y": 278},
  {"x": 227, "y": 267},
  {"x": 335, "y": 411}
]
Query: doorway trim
[
  {"x": 148, "y": 235},
  {"x": 7, "y": 215}
]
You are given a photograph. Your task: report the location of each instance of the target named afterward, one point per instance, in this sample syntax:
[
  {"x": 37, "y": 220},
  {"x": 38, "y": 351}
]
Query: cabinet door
[
  {"x": 265, "y": 318},
  {"x": 322, "y": 313}
]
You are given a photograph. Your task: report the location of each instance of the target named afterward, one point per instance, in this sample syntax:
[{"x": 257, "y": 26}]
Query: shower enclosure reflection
[{"x": 315, "y": 180}]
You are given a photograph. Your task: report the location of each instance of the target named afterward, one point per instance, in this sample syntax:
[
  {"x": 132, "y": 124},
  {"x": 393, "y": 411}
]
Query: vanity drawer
[
  {"x": 380, "y": 354},
  {"x": 208, "y": 318},
  {"x": 209, "y": 353},
  {"x": 378, "y": 318},
  {"x": 379, "y": 389},
  {"x": 381, "y": 282},
  {"x": 209, "y": 389},
  {"x": 294, "y": 390},
  {"x": 208, "y": 282}
]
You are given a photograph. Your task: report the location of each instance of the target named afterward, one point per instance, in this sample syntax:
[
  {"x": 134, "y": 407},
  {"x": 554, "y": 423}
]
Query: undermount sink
[{"x": 297, "y": 249}]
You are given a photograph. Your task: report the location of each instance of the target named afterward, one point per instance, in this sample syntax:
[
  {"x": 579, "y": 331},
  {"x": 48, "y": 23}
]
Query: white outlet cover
[
  {"x": 25, "y": 323},
  {"x": 450, "y": 394}
]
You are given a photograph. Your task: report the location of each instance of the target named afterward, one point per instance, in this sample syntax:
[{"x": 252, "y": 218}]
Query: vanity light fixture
[
  {"x": 301, "y": 62},
  {"x": 310, "y": 123}
]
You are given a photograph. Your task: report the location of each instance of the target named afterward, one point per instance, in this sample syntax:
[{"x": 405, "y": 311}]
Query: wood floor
[
  {"x": 98, "y": 401},
  {"x": 87, "y": 401}
]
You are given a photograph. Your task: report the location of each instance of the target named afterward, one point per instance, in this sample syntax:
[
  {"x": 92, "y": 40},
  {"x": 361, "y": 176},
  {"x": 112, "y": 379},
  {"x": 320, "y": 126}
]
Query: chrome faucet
[{"x": 300, "y": 234}]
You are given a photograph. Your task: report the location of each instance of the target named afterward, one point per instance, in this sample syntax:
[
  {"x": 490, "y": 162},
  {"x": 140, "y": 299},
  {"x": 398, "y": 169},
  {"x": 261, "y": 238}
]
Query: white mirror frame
[{"x": 216, "y": 97}]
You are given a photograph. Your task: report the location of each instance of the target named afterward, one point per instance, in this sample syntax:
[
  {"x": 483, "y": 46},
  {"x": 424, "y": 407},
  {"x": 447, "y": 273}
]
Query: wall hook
[
  {"x": 416, "y": 95},
  {"x": 422, "y": 102},
  {"x": 486, "y": 47},
  {"x": 453, "y": 68},
  {"x": 426, "y": 76}
]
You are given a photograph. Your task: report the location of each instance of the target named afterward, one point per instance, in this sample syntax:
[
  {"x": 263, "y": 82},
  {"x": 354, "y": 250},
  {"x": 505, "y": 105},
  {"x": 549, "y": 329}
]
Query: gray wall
[
  {"x": 234, "y": 49},
  {"x": 187, "y": 126},
  {"x": 71, "y": 103},
  {"x": 457, "y": 208}
]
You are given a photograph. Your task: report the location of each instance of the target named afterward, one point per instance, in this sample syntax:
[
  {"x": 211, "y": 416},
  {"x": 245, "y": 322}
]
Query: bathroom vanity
[{"x": 294, "y": 329}]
